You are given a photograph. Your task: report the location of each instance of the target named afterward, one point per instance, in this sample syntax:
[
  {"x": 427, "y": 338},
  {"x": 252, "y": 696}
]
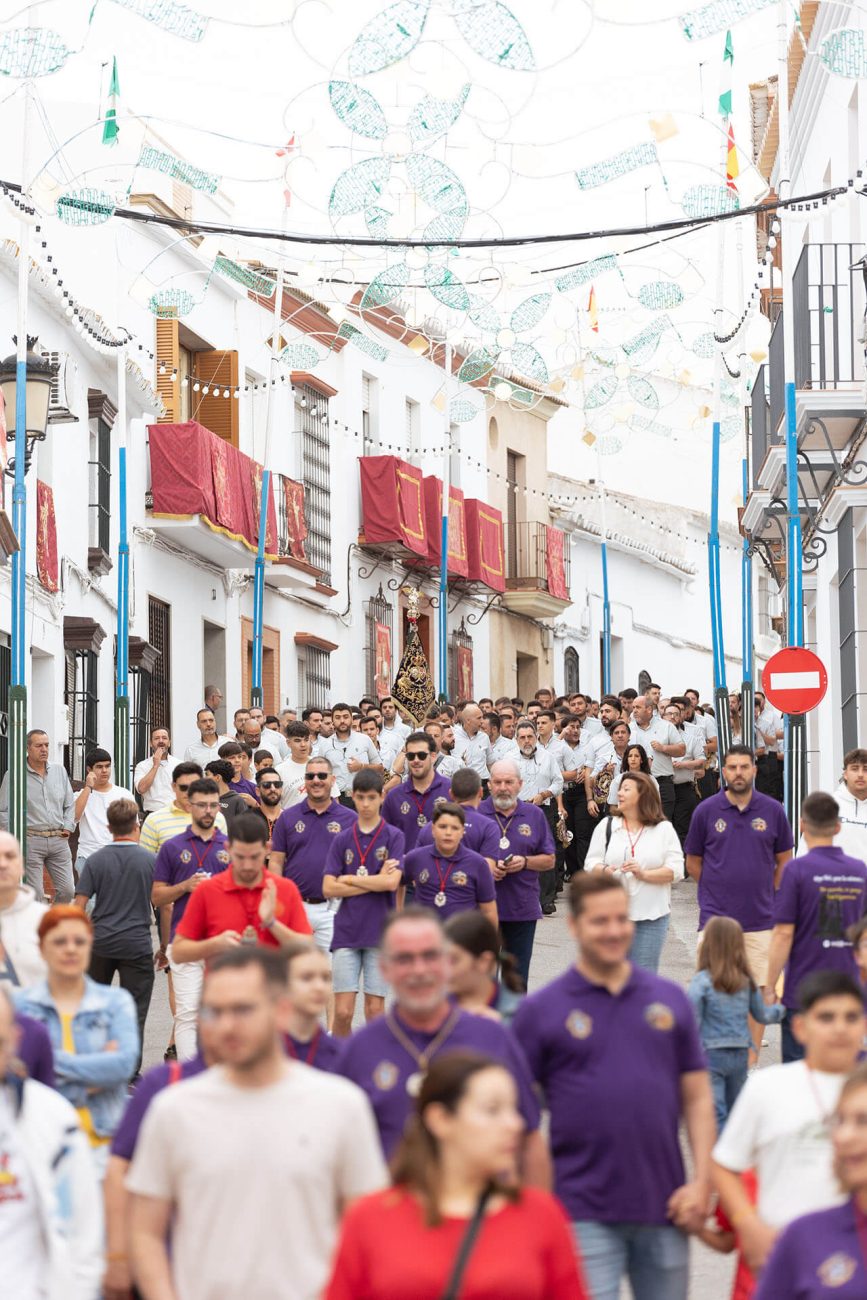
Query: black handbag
[{"x": 465, "y": 1250}]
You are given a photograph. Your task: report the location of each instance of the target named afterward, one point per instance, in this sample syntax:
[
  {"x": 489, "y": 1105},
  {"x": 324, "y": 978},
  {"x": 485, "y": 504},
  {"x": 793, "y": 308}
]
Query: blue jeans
[
  {"x": 728, "y": 1074},
  {"x": 792, "y": 1049},
  {"x": 518, "y": 940},
  {"x": 655, "y": 1258},
  {"x": 648, "y": 942}
]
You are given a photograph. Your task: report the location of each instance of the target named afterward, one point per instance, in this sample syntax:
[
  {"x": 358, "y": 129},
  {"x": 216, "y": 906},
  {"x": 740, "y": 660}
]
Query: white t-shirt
[
  {"x": 257, "y": 1178},
  {"x": 339, "y": 752},
  {"x": 476, "y": 751},
  {"x": 655, "y": 846},
  {"x": 160, "y": 790},
  {"x": 199, "y": 752},
  {"x": 778, "y": 1126},
  {"x": 272, "y": 740},
  {"x": 24, "y": 1274},
  {"x": 663, "y": 732},
  {"x": 93, "y": 832}
]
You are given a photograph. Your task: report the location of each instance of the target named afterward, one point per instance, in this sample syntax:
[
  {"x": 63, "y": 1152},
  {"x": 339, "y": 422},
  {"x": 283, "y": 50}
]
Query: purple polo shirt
[
  {"x": 738, "y": 851},
  {"x": 821, "y": 894},
  {"x": 375, "y": 1060},
  {"x": 324, "y": 1056},
  {"x": 358, "y": 921},
  {"x": 465, "y": 879},
  {"x": 410, "y": 811},
  {"x": 306, "y": 836},
  {"x": 123, "y": 1143},
  {"x": 480, "y": 834},
  {"x": 610, "y": 1068},
  {"x": 185, "y": 854},
  {"x": 243, "y": 786},
  {"x": 817, "y": 1256},
  {"x": 528, "y": 833}
]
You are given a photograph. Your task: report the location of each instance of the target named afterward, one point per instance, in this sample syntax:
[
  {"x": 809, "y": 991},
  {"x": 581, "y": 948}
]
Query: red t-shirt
[
  {"x": 220, "y": 904},
  {"x": 525, "y": 1251},
  {"x": 745, "y": 1283}
]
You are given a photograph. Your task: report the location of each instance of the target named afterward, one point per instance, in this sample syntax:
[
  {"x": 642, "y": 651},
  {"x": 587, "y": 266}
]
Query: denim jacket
[
  {"x": 722, "y": 1017},
  {"x": 91, "y": 1076}
]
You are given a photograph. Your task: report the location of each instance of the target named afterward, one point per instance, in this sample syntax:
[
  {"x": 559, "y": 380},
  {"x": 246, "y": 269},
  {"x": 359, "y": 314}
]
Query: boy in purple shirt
[
  {"x": 526, "y": 848},
  {"x": 410, "y": 805},
  {"x": 821, "y": 896},
  {"x": 363, "y": 870},
  {"x": 616, "y": 1052},
  {"x": 389, "y": 1056},
  {"x": 448, "y": 876},
  {"x": 481, "y": 834}
]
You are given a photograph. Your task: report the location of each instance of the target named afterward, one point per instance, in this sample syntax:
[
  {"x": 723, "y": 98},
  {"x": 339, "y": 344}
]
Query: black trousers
[
  {"x": 685, "y": 804},
  {"x": 548, "y": 879},
  {"x": 666, "y": 794},
  {"x": 136, "y": 975},
  {"x": 582, "y": 826},
  {"x": 769, "y": 777}
]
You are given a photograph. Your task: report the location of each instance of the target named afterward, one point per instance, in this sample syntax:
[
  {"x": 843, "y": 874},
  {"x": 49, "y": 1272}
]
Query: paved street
[{"x": 711, "y": 1273}]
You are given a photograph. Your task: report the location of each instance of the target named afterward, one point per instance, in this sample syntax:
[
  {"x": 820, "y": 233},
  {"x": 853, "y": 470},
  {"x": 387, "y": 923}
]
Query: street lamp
[{"x": 27, "y": 410}]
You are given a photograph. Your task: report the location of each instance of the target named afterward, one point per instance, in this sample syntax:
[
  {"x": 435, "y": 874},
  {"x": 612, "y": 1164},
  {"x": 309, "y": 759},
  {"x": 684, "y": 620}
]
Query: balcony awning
[
  {"x": 485, "y": 544},
  {"x": 458, "y": 563},
  {"x": 392, "y": 503},
  {"x": 193, "y": 472}
]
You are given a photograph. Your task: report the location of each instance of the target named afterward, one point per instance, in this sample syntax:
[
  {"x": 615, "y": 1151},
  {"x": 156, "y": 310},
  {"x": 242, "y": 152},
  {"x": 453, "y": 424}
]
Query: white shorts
[{"x": 321, "y": 918}]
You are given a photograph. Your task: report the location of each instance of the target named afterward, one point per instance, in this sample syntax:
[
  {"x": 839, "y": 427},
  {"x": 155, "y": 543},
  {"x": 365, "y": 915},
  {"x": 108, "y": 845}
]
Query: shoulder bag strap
[
  {"x": 609, "y": 825},
  {"x": 465, "y": 1250}
]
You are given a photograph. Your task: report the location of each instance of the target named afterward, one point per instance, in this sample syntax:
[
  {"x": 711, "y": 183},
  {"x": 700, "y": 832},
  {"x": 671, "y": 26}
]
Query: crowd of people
[{"x": 447, "y": 1133}]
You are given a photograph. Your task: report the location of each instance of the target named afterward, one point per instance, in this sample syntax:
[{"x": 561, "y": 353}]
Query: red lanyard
[
  {"x": 209, "y": 844},
  {"x": 444, "y": 879},
  {"x": 419, "y": 803},
  {"x": 633, "y": 842},
  {"x": 366, "y": 854},
  {"x": 313, "y": 1049}
]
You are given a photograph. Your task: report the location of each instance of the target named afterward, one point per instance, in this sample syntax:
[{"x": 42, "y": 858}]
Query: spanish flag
[
  {"x": 591, "y": 310},
  {"x": 732, "y": 169}
]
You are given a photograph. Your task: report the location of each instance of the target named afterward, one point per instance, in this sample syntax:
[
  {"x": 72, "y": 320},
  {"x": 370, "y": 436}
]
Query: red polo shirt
[{"x": 220, "y": 904}]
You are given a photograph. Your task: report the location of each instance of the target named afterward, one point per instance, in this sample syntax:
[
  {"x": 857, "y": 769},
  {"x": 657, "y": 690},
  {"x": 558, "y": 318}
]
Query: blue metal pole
[
  {"x": 256, "y": 697},
  {"x": 18, "y": 685},
  {"x": 443, "y": 611},
  {"x": 748, "y": 717},
  {"x": 606, "y": 625},
  {"x": 721, "y": 704}
]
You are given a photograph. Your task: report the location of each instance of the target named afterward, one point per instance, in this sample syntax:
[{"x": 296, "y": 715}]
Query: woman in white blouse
[{"x": 637, "y": 844}]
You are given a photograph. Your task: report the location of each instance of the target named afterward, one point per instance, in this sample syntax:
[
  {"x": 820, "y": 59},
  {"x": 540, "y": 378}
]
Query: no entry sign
[{"x": 794, "y": 680}]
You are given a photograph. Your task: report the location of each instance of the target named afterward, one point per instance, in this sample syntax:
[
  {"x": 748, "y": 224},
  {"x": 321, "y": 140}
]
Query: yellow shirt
[
  {"x": 85, "y": 1119},
  {"x": 167, "y": 822}
]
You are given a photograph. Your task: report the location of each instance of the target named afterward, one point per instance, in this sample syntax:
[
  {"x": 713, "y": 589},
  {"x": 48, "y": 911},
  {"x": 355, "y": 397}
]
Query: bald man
[
  {"x": 473, "y": 743},
  {"x": 21, "y": 962},
  {"x": 526, "y": 848}
]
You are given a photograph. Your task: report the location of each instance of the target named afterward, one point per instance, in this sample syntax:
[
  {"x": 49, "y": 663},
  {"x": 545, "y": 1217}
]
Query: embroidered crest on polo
[
  {"x": 524, "y": 829},
  {"x": 222, "y": 855},
  {"x": 459, "y": 878},
  {"x": 579, "y": 1024},
  {"x": 333, "y": 828},
  {"x": 719, "y": 825},
  {"x": 659, "y": 1016},
  {"x": 385, "y": 1075},
  {"x": 186, "y": 856},
  {"x": 404, "y": 808},
  {"x": 759, "y": 824},
  {"x": 837, "y": 1269},
  {"x": 381, "y": 853},
  {"x": 348, "y": 856},
  {"x": 423, "y": 876},
  {"x": 300, "y": 826}
]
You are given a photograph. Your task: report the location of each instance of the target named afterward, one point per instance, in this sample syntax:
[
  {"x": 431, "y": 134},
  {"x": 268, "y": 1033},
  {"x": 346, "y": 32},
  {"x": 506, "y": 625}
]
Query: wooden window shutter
[
  {"x": 169, "y": 355},
  {"x": 218, "y": 413}
]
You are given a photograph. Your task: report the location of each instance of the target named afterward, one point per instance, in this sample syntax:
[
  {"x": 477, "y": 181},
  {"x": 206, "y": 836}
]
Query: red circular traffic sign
[{"x": 794, "y": 680}]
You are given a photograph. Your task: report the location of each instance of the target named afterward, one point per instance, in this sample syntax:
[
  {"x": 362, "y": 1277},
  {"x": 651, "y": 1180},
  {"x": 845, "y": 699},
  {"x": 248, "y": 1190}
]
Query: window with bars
[
  {"x": 379, "y": 642},
  {"x": 159, "y": 635},
  {"x": 311, "y": 413},
  {"x": 314, "y": 677},
  {"x": 82, "y": 701},
  {"x": 460, "y": 664},
  {"x": 571, "y": 670},
  {"x": 100, "y": 485},
  {"x": 139, "y": 713}
]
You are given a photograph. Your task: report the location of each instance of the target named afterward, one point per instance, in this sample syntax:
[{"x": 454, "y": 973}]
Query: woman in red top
[{"x": 460, "y": 1146}]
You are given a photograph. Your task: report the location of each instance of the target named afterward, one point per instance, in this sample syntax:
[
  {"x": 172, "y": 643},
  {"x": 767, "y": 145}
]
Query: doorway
[{"x": 214, "y": 666}]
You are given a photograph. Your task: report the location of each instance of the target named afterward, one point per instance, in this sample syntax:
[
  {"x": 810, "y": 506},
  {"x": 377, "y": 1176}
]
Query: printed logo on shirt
[
  {"x": 385, "y": 1075},
  {"x": 441, "y": 799},
  {"x": 837, "y": 1269},
  {"x": 579, "y": 1024},
  {"x": 333, "y": 827},
  {"x": 381, "y": 853},
  {"x": 300, "y": 826},
  {"x": 404, "y": 808},
  {"x": 759, "y": 824},
  {"x": 719, "y": 825},
  {"x": 348, "y": 856},
  {"x": 459, "y": 878},
  {"x": 222, "y": 856},
  {"x": 423, "y": 876},
  {"x": 659, "y": 1016},
  {"x": 186, "y": 856},
  {"x": 524, "y": 829},
  {"x": 10, "y": 1188}
]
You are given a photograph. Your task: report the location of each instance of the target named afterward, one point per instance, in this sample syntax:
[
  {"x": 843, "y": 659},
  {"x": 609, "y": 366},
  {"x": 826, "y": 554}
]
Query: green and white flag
[
  {"x": 725, "y": 86},
  {"x": 110, "y": 127}
]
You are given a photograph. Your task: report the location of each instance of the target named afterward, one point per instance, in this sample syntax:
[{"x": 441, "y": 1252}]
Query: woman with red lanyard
[
  {"x": 637, "y": 844},
  {"x": 457, "y": 1222},
  {"x": 824, "y": 1255}
]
